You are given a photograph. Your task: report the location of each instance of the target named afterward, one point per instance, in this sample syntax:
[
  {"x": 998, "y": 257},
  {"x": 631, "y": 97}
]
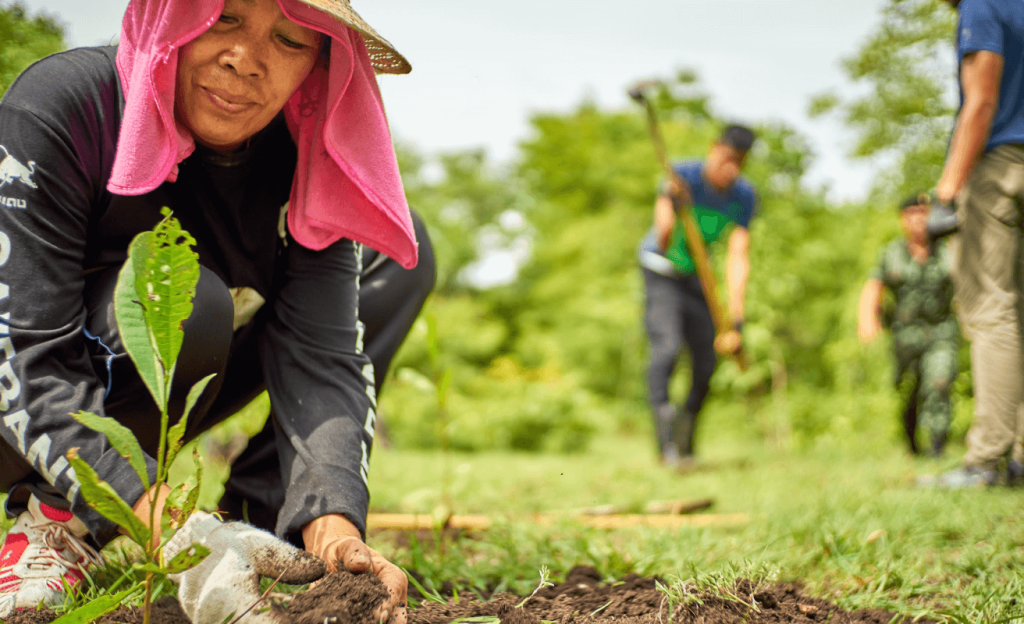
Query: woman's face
[{"x": 236, "y": 77}]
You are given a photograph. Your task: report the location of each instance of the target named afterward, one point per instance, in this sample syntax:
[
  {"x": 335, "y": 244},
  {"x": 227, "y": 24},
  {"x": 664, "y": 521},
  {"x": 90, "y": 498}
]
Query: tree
[
  {"x": 24, "y": 40},
  {"x": 463, "y": 210},
  {"x": 908, "y": 62}
]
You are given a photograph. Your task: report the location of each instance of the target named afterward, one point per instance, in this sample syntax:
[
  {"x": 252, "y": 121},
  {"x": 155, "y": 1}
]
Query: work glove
[
  {"x": 942, "y": 221},
  {"x": 227, "y": 582}
]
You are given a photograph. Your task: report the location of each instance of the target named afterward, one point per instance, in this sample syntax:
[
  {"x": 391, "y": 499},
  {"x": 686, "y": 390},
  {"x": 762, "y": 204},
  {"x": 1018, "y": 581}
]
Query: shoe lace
[{"x": 58, "y": 539}]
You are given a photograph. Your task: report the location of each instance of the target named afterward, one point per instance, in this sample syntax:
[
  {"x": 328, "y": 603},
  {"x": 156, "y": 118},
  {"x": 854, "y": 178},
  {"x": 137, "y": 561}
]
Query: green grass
[
  {"x": 847, "y": 522},
  {"x": 843, "y": 518}
]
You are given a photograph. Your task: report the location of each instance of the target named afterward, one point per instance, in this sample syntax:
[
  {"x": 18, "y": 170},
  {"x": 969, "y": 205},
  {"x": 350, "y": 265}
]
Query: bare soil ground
[
  {"x": 343, "y": 598},
  {"x": 340, "y": 598},
  {"x": 583, "y": 599}
]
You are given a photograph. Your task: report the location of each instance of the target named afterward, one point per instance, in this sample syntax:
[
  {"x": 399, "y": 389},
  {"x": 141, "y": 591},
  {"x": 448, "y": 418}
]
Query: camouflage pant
[{"x": 933, "y": 363}]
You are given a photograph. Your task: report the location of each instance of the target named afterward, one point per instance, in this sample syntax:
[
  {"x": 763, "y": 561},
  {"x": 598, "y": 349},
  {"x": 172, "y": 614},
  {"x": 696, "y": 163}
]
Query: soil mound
[
  {"x": 166, "y": 610},
  {"x": 340, "y": 598},
  {"x": 583, "y": 599}
]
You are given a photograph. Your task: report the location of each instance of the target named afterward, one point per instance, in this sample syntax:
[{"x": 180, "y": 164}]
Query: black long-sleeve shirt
[{"x": 59, "y": 125}]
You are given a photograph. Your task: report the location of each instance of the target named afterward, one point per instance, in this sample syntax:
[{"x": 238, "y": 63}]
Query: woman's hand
[
  {"x": 336, "y": 540},
  {"x": 144, "y": 505}
]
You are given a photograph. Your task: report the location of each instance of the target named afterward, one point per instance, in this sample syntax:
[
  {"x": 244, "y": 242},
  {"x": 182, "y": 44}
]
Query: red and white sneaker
[{"x": 44, "y": 552}]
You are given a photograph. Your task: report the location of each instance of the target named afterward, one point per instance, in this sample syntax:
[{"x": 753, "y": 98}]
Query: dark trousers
[
  {"x": 677, "y": 314},
  {"x": 390, "y": 299}
]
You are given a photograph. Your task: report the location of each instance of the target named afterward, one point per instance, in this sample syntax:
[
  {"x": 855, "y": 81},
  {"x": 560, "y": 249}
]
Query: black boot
[
  {"x": 910, "y": 423},
  {"x": 682, "y": 433},
  {"x": 938, "y": 444},
  {"x": 664, "y": 415},
  {"x": 1014, "y": 473}
]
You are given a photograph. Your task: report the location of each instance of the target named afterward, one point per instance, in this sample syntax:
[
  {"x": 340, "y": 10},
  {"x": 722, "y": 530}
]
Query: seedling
[
  {"x": 152, "y": 299},
  {"x": 545, "y": 581}
]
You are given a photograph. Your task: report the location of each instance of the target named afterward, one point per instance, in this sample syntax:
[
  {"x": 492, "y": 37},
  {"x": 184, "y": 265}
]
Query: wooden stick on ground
[
  {"x": 682, "y": 506},
  {"x": 414, "y": 522}
]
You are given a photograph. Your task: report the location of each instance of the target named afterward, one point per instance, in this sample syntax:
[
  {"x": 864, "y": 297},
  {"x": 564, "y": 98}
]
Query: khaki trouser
[{"x": 989, "y": 285}]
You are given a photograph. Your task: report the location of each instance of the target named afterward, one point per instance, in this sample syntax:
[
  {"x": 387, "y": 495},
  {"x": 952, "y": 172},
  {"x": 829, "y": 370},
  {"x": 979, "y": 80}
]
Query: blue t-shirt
[
  {"x": 713, "y": 210},
  {"x": 998, "y": 26}
]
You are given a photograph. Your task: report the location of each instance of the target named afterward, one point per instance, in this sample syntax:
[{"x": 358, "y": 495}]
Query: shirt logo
[{"x": 11, "y": 170}]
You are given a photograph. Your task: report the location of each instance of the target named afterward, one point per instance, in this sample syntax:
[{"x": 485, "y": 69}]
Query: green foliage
[
  {"x": 152, "y": 300},
  {"x": 843, "y": 519},
  {"x": 167, "y": 286},
  {"x": 908, "y": 63},
  {"x": 25, "y": 39},
  {"x": 100, "y": 496},
  {"x": 121, "y": 438},
  {"x": 558, "y": 355},
  {"x": 95, "y": 609},
  {"x": 131, "y": 321},
  {"x": 463, "y": 210}
]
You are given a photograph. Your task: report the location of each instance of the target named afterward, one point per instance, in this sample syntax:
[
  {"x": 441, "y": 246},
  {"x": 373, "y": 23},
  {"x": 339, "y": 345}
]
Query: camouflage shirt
[{"x": 923, "y": 292}]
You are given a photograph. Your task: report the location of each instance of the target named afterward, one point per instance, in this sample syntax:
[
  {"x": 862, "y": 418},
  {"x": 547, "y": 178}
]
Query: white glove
[{"x": 227, "y": 582}]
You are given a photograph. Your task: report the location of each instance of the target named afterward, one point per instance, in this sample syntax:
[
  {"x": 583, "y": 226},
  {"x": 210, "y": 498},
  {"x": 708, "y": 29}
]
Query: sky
[{"x": 481, "y": 67}]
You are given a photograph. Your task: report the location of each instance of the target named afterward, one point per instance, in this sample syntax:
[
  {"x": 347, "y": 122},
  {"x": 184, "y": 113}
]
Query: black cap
[{"x": 738, "y": 137}]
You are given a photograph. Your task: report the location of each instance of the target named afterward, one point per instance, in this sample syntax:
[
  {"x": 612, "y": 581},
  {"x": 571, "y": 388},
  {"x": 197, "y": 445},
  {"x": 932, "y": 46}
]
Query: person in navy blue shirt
[
  {"x": 676, "y": 311},
  {"x": 984, "y": 176}
]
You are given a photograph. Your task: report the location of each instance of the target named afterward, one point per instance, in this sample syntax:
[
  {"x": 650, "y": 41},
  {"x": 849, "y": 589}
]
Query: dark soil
[
  {"x": 344, "y": 598},
  {"x": 583, "y": 599},
  {"x": 340, "y": 598},
  {"x": 166, "y": 610}
]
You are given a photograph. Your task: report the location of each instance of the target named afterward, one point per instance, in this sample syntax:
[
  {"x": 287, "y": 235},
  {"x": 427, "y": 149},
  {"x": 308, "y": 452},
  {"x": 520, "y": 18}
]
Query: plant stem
[{"x": 147, "y": 606}]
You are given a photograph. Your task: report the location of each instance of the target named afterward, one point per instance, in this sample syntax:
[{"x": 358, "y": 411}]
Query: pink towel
[{"x": 346, "y": 182}]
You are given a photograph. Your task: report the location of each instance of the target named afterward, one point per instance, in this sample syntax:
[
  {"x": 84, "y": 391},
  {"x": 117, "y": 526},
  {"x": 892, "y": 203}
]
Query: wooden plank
[
  {"x": 414, "y": 522},
  {"x": 663, "y": 521},
  {"x": 679, "y": 506}
]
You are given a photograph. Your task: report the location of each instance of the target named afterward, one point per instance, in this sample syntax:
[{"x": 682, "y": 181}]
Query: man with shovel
[{"x": 677, "y": 311}]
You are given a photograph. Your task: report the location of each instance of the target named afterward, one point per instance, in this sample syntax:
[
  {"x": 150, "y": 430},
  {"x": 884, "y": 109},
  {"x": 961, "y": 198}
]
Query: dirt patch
[
  {"x": 166, "y": 610},
  {"x": 345, "y": 598},
  {"x": 42, "y": 616},
  {"x": 583, "y": 599},
  {"x": 340, "y": 598}
]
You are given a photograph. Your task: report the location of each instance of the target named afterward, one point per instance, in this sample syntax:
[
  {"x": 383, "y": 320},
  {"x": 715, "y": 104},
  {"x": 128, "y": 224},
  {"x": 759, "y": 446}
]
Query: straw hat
[{"x": 383, "y": 56}]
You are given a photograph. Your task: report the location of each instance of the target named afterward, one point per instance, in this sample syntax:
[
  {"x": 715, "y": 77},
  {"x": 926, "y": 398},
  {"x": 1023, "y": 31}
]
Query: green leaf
[
  {"x": 168, "y": 285},
  {"x": 150, "y": 567},
  {"x": 188, "y": 558},
  {"x": 101, "y": 497},
  {"x": 193, "y": 495},
  {"x": 177, "y": 432},
  {"x": 131, "y": 321},
  {"x": 121, "y": 438},
  {"x": 95, "y": 609},
  {"x": 184, "y": 560},
  {"x": 184, "y": 498}
]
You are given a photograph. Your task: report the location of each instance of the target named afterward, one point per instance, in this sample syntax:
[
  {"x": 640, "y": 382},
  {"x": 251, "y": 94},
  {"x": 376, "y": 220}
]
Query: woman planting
[{"x": 259, "y": 123}]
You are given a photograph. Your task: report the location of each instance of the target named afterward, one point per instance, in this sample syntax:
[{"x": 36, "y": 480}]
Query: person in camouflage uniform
[{"x": 925, "y": 333}]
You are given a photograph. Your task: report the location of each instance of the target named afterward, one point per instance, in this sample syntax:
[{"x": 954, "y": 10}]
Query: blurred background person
[
  {"x": 676, "y": 311},
  {"x": 925, "y": 334}
]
